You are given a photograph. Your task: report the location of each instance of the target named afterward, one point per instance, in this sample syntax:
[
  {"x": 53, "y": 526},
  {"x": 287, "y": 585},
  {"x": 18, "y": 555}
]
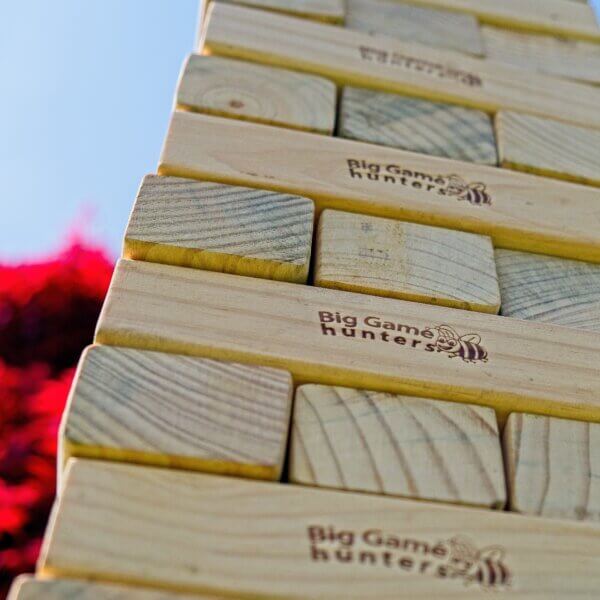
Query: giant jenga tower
[{"x": 352, "y": 349}]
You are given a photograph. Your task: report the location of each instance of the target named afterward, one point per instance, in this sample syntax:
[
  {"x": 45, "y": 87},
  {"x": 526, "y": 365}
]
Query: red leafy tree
[{"x": 48, "y": 311}]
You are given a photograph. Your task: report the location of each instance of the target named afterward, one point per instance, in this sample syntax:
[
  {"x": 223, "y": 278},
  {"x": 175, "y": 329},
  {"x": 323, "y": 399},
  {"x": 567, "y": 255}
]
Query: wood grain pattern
[
  {"x": 568, "y": 19},
  {"x": 27, "y": 588},
  {"x": 221, "y": 228},
  {"x": 200, "y": 533},
  {"x": 547, "y": 147},
  {"x": 390, "y": 65},
  {"x": 547, "y": 289},
  {"x": 432, "y": 128},
  {"x": 429, "y": 26},
  {"x": 176, "y": 411},
  {"x": 518, "y": 211},
  {"x": 241, "y": 90},
  {"x": 327, "y": 11},
  {"x": 553, "y": 467},
  {"x": 562, "y": 57},
  {"x": 339, "y": 338},
  {"x": 396, "y": 445},
  {"x": 402, "y": 260}
]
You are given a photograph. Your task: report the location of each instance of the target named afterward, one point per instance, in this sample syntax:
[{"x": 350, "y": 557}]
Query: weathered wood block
[
  {"x": 390, "y": 65},
  {"x": 27, "y": 588},
  {"x": 177, "y": 411},
  {"x": 417, "y": 125},
  {"x": 429, "y": 26},
  {"x": 548, "y": 289},
  {"x": 562, "y": 57},
  {"x": 371, "y": 255},
  {"x": 339, "y": 338},
  {"x": 547, "y": 147},
  {"x": 553, "y": 467},
  {"x": 242, "y": 90},
  {"x": 568, "y": 19},
  {"x": 263, "y": 540},
  {"x": 517, "y": 210},
  {"x": 396, "y": 445},
  {"x": 221, "y": 228},
  {"x": 327, "y": 11}
]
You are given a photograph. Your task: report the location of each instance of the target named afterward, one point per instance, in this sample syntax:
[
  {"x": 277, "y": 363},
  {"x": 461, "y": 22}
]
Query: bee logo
[
  {"x": 474, "y": 193},
  {"x": 468, "y": 346}
]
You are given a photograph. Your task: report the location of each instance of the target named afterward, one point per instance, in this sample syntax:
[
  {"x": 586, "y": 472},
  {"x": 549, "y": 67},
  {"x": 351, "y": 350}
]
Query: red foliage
[{"x": 48, "y": 312}]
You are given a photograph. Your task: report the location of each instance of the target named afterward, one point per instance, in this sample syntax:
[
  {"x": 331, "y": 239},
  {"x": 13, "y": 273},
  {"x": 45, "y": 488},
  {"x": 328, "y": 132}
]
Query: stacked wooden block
[{"x": 339, "y": 284}]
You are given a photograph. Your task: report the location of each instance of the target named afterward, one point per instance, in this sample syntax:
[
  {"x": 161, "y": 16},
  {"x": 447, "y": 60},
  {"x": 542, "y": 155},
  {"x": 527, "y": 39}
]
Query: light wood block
[
  {"x": 568, "y": 19},
  {"x": 402, "y": 260},
  {"x": 221, "y": 228},
  {"x": 327, "y": 11},
  {"x": 547, "y": 289},
  {"x": 28, "y": 588},
  {"x": 553, "y": 467},
  {"x": 573, "y": 59},
  {"x": 352, "y": 340},
  {"x": 242, "y": 90},
  {"x": 390, "y": 65},
  {"x": 177, "y": 411},
  {"x": 550, "y": 148},
  {"x": 432, "y": 128},
  {"x": 429, "y": 26},
  {"x": 396, "y": 445},
  {"x": 518, "y": 211},
  {"x": 202, "y": 533}
]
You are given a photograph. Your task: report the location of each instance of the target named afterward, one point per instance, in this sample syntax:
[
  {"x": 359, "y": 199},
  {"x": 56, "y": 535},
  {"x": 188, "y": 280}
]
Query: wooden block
[
  {"x": 553, "y": 467},
  {"x": 27, "y": 588},
  {"x": 396, "y": 445},
  {"x": 327, "y": 11},
  {"x": 339, "y": 338},
  {"x": 390, "y": 65},
  {"x": 567, "y": 19},
  {"x": 429, "y": 26},
  {"x": 176, "y": 411},
  {"x": 221, "y": 228},
  {"x": 547, "y": 289},
  {"x": 550, "y": 148},
  {"x": 562, "y": 57},
  {"x": 417, "y": 125},
  {"x": 241, "y": 90},
  {"x": 201, "y": 533},
  {"x": 518, "y": 211},
  {"x": 402, "y": 260}
]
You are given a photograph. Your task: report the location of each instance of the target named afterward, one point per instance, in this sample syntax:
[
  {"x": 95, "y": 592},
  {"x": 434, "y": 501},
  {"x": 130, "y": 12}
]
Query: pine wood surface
[
  {"x": 553, "y": 467},
  {"x": 547, "y": 147},
  {"x": 371, "y": 255},
  {"x": 518, "y": 211},
  {"x": 203, "y": 533},
  {"x": 558, "y": 56},
  {"x": 327, "y": 11},
  {"x": 28, "y": 588},
  {"x": 178, "y": 411},
  {"x": 568, "y": 19},
  {"x": 242, "y": 90},
  {"x": 548, "y": 289},
  {"x": 390, "y": 65},
  {"x": 429, "y": 26},
  {"x": 396, "y": 445},
  {"x": 432, "y": 128},
  {"x": 221, "y": 228},
  {"x": 353, "y": 340}
]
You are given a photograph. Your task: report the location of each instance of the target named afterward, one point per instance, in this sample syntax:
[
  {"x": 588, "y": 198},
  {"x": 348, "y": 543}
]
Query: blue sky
[{"x": 88, "y": 87}]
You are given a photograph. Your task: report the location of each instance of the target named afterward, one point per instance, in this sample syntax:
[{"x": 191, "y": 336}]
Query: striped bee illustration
[
  {"x": 468, "y": 346},
  {"x": 485, "y": 567},
  {"x": 474, "y": 193}
]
